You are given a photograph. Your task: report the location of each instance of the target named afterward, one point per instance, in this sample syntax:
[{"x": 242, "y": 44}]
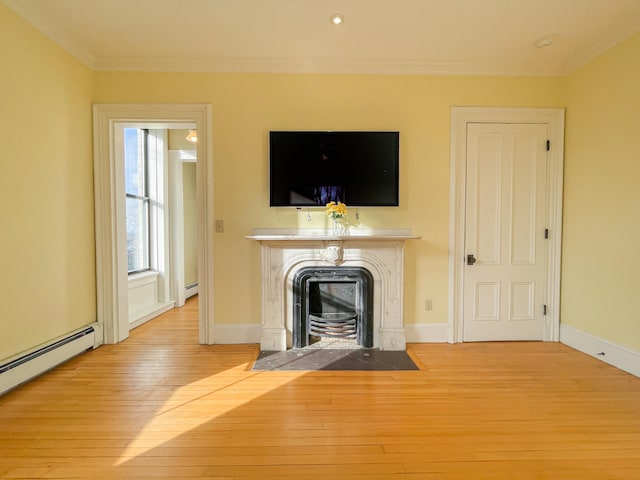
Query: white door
[{"x": 504, "y": 272}]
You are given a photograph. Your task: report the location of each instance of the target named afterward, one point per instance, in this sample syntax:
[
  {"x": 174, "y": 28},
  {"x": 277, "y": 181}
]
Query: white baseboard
[
  {"x": 234, "y": 334},
  {"x": 415, "y": 333},
  {"x": 427, "y": 332},
  {"x": 621, "y": 357},
  {"x": 143, "y": 316},
  {"x": 21, "y": 368}
]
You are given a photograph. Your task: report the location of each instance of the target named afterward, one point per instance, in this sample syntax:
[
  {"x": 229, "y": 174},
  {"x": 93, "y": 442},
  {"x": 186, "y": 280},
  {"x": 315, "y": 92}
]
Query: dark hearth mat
[{"x": 334, "y": 359}]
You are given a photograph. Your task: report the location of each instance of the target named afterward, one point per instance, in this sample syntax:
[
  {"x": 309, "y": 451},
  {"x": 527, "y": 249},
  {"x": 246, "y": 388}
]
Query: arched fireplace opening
[{"x": 333, "y": 303}]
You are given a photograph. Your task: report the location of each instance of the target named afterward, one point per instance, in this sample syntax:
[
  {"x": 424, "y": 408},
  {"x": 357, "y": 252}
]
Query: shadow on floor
[{"x": 334, "y": 359}]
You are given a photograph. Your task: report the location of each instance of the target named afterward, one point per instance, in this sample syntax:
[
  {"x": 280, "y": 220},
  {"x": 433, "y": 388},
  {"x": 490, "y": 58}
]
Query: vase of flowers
[{"x": 337, "y": 212}]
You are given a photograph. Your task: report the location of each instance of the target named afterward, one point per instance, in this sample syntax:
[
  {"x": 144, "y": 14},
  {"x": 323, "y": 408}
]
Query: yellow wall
[
  {"x": 601, "y": 252},
  {"x": 46, "y": 199},
  {"x": 247, "y": 106},
  {"x": 47, "y": 273}
]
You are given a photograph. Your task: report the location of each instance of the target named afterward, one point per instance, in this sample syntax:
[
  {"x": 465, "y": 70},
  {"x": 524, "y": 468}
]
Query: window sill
[{"x": 142, "y": 278}]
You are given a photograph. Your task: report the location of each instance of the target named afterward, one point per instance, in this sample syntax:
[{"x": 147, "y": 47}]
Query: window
[{"x": 137, "y": 204}]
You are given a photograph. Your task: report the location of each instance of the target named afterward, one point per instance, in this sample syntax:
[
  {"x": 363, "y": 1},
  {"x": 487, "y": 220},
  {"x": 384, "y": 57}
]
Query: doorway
[
  {"x": 506, "y": 182},
  {"x": 183, "y": 201},
  {"x": 111, "y": 255}
]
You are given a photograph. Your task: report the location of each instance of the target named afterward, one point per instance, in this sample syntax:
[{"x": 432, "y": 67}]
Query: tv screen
[{"x": 314, "y": 168}]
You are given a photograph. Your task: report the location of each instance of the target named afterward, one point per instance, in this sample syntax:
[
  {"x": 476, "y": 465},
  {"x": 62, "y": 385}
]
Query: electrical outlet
[
  {"x": 219, "y": 226},
  {"x": 428, "y": 305}
]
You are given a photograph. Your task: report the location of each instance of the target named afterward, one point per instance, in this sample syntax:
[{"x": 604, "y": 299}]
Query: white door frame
[
  {"x": 460, "y": 118},
  {"x": 111, "y": 262},
  {"x": 177, "y": 159}
]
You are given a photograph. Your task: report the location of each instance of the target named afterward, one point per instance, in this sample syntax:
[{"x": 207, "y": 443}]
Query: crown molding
[
  {"x": 292, "y": 65},
  {"x": 630, "y": 27},
  {"x": 284, "y": 65},
  {"x": 52, "y": 31}
]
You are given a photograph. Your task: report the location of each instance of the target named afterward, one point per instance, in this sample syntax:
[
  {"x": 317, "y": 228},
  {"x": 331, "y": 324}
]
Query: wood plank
[{"x": 161, "y": 406}]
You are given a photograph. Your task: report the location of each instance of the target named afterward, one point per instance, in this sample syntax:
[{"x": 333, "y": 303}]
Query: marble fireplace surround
[{"x": 285, "y": 251}]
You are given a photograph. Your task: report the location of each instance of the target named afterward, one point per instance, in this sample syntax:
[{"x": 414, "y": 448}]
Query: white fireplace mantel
[{"x": 285, "y": 251}]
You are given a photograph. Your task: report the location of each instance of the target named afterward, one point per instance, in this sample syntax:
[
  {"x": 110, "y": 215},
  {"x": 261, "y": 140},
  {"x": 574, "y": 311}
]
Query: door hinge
[
  {"x": 548, "y": 145},
  {"x": 546, "y": 234},
  {"x": 544, "y": 310}
]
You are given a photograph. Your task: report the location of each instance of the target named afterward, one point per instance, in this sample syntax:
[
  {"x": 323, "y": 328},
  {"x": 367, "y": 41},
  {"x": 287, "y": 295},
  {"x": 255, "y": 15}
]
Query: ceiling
[{"x": 483, "y": 37}]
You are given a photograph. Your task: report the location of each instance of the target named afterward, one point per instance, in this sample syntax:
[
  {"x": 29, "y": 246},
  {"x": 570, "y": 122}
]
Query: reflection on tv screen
[{"x": 319, "y": 195}]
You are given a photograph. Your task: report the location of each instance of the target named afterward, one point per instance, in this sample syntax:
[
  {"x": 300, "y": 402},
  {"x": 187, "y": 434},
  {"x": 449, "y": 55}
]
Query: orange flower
[{"x": 336, "y": 210}]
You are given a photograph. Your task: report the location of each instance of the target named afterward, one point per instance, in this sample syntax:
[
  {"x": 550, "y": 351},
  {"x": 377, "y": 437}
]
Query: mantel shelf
[{"x": 278, "y": 235}]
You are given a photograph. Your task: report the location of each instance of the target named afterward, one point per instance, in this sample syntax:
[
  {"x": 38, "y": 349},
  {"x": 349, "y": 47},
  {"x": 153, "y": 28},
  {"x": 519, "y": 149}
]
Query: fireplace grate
[
  {"x": 333, "y": 325},
  {"x": 332, "y": 302}
]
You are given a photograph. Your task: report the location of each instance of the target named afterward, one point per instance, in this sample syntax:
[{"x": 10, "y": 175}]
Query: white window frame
[{"x": 143, "y": 197}]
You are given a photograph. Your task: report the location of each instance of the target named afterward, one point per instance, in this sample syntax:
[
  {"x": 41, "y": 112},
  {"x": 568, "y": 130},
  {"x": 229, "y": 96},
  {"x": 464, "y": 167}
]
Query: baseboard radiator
[
  {"x": 190, "y": 290},
  {"x": 23, "y": 368}
]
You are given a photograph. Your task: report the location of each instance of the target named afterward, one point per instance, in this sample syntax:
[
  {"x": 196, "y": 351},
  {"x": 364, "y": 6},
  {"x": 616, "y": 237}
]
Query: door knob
[{"x": 471, "y": 259}]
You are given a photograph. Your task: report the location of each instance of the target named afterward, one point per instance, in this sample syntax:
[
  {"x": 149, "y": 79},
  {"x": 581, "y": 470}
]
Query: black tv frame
[{"x": 311, "y": 168}]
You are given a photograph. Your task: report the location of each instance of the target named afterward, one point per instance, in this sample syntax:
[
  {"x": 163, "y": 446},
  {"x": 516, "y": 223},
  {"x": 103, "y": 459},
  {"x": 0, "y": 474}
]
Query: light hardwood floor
[{"x": 161, "y": 406}]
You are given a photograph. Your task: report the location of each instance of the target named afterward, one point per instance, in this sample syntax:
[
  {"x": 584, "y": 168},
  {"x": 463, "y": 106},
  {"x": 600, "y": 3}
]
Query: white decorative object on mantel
[
  {"x": 333, "y": 254},
  {"x": 284, "y": 252}
]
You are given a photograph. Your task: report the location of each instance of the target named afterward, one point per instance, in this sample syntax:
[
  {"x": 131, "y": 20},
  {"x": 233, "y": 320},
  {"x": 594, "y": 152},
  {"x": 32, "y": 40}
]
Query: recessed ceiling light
[{"x": 336, "y": 18}]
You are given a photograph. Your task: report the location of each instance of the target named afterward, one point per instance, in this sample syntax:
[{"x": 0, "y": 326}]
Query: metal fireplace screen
[{"x": 333, "y": 302}]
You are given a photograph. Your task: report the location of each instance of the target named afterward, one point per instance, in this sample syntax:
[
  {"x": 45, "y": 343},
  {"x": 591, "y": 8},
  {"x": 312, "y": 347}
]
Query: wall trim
[
  {"x": 52, "y": 31},
  {"x": 149, "y": 313},
  {"x": 427, "y": 332},
  {"x": 350, "y": 66},
  {"x": 610, "y": 40},
  {"x": 606, "y": 351},
  {"x": 279, "y": 65},
  {"x": 250, "y": 333}
]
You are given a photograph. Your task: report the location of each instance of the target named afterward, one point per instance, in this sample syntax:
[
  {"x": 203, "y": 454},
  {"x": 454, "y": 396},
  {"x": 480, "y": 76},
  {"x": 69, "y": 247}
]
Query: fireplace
[
  {"x": 286, "y": 252},
  {"x": 333, "y": 303}
]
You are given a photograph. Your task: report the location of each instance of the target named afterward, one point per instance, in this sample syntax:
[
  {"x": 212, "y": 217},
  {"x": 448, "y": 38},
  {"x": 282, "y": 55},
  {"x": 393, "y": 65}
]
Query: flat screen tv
[{"x": 313, "y": 168}]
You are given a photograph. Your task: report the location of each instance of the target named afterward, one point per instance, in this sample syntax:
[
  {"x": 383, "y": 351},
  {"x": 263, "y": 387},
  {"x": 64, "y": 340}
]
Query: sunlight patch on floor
[{"x": 198, "y": 403}]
